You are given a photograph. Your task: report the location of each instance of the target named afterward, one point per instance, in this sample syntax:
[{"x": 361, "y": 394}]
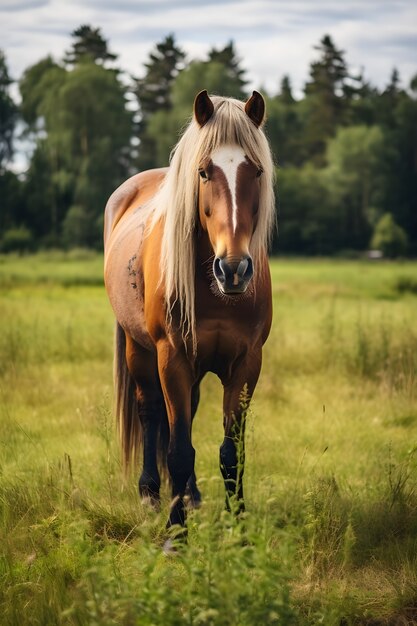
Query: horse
[{"x": 187, "y": 275}]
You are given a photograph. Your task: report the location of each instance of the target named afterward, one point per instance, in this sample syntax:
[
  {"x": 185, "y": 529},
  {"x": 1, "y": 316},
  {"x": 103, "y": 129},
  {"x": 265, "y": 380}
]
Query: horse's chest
[{"x": 220, "y": 348}]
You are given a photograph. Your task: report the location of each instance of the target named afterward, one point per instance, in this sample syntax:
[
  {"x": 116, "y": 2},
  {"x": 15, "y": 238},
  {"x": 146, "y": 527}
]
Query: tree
[
  {"x": 8, "y": 115},
  {"x": 11, "y": 199},
  {"x": 47, "y": 199},
  {"x": 328, "y": 95},
  {"x": 82, "y": 142},
  {"x": 39, "y": 87},
  {"x": 17, "y": 239},
  {"x": 153, "y": 93},
  {"x": 355, "y": 179},
  {"x": 284, "y": 126},
  {"x": 285, "y": 94},
  {"x": 388, "y": 237},
  {"x": 46, "y": 203},
  {"x": 92, "y": 135},
  {"x": 363, "y": 106},
  {"x": 347, "y": 151},
  {"x": 402, "y": 191},
  {"x": 164, "y": 127},
  {"x": 167, "y": 91},
  {"x": 306, "y": 219},
  {"x": 387, "y": 102},
  {"x": 88, "y": 45},
  {"x": 76, "y": 228},
  {"x": 227, "y": 57},
  {"x": 395, "y": 111},
  {"x": 153, "y": 90}
]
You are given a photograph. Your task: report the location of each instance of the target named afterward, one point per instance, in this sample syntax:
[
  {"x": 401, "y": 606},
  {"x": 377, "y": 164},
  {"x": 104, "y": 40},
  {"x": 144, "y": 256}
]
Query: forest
[{"x": 345, "y": 151}]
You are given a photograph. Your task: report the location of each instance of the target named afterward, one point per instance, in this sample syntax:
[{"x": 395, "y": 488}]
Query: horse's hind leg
[
  {"x": 152, "y": 415},
  {"x": 150, "y": 411}
]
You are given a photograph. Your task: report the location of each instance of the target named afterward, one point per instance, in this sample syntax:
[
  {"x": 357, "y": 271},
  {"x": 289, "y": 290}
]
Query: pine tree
[
  {"x": 283, "y": 126},
  {"x": 388, "y": 101},
  {"x": 153, "y": 93},
  {"x": 89, "y": 44},
  {"x": 153, "y": 90},
  {"x": 393, "y": 87},
  {"x": 228, "y": 58},
  {"x": 328, "y": 96},
  {"x": 285, "y": 93},
  {"x": 330, "y": 72}
]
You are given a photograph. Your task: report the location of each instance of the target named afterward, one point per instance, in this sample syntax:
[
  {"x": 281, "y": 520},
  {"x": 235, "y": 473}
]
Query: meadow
[{"x": 330, "y": 533}]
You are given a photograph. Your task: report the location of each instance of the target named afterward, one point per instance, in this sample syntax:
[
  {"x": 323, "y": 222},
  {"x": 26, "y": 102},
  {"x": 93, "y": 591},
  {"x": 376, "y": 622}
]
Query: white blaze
[{"x": 228, "y": 159}]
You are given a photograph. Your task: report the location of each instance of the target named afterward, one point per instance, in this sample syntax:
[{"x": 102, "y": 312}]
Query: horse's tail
[{"x": 128, "y": 423}]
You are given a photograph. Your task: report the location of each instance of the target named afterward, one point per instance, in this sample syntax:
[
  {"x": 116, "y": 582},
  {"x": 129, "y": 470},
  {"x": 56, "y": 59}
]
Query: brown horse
[{"x": 187, "y": 275}]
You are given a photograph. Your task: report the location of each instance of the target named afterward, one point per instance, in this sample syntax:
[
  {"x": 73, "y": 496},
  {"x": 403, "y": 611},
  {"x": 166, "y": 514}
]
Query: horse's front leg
[
  {"x": 238, "y": 390},
  {"x": 192, "y": 494},
  {"x": 177, "y": 381}
]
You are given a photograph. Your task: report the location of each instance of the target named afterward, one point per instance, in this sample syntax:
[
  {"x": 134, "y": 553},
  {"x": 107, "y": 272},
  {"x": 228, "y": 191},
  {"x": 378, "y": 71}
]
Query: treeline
[{"x": 346, "y": 152}]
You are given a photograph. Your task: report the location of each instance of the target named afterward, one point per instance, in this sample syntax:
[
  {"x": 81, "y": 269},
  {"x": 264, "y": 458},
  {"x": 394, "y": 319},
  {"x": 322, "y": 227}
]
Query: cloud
[
  {"x": 272, "y": 37},
  {"x": 21, "y": 5}
]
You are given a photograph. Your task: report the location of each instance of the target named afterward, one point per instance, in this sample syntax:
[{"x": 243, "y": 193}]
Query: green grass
[{"x": 330, "y": 536}]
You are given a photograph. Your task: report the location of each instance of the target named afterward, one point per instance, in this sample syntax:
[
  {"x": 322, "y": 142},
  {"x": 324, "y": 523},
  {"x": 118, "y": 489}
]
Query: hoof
[
  {"x": 176, "y": 540},
  {"x": 192, "y": 503},
  {"x": 151, "y": 503},
  {"x": 170, "y": 548}
]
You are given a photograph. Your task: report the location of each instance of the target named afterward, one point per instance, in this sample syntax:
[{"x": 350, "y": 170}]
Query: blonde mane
[{"x": 176, "y": 200}]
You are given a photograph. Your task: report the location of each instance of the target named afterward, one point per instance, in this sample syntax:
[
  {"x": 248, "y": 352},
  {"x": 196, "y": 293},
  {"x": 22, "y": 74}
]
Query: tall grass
[{"x": 331, "y": 462}]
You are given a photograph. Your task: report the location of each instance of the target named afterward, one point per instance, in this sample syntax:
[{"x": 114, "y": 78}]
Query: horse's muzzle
[{"x": 233, "y": 275}]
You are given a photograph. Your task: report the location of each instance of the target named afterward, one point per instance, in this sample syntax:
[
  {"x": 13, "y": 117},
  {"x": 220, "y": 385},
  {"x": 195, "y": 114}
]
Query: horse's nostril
[
  {"x": 248, "y": 270},
  {"x": 218, "y": 269},
  {"x": 242, "y": 267}
]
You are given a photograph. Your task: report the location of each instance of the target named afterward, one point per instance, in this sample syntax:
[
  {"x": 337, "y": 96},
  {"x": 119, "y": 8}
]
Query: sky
[{"x": 272, "y": 37}]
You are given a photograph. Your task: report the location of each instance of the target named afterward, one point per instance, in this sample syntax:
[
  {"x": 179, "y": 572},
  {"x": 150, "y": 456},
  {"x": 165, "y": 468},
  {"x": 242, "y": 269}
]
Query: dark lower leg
[
  {"x": 149, "y": 481},
  {"x": 192, "y": 492},
  {"x": 181, "y": 458},
  {"x": 232, "y": 468}
]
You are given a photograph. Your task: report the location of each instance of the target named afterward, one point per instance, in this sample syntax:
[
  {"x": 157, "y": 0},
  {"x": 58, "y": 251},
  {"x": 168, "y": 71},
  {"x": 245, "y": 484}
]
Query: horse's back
[{"x": 126, "y": 216}]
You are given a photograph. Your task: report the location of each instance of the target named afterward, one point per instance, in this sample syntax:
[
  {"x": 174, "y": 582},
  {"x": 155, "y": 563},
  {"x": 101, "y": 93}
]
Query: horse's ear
[
  {"x": 255, "y": 108},
  {"x": 203, "y": 107}
]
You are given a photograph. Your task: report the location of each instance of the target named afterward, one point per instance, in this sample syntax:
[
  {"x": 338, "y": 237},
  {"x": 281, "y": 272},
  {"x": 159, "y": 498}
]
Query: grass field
[{"x": 330, "y": 535}]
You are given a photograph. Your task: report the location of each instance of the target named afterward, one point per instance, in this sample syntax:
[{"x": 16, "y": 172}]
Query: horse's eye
[
  {"x": 202, "y": 174},
  {"x": 259, "y": 172}
]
